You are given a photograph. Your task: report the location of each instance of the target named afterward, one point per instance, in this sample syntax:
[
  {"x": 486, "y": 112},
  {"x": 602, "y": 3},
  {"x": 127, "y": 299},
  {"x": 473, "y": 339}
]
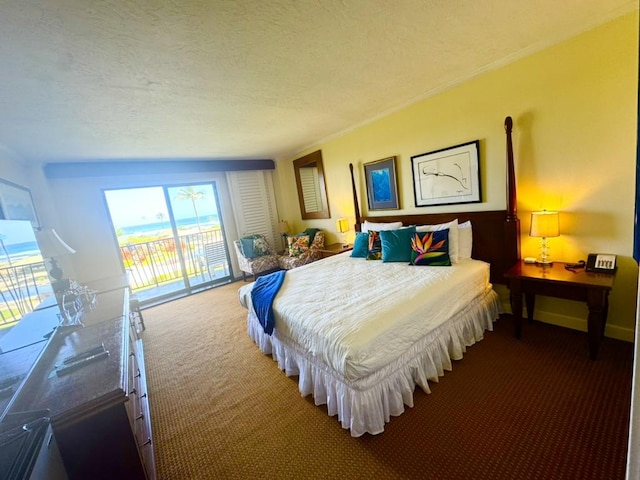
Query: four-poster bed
[{"x": 362, "y": 334}]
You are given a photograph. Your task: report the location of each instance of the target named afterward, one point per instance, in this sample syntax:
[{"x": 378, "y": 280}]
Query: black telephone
[{"x": 601, "y": 262}]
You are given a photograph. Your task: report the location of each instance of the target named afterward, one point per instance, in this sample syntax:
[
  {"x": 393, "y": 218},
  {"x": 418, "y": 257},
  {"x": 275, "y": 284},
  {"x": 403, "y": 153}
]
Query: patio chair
[{"x": 215, "y": 255}]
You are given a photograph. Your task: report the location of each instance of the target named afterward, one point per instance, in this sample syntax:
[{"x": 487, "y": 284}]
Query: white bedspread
[
  {"x": 380, "y": 349},
  {"x": 357, "y": 315}
]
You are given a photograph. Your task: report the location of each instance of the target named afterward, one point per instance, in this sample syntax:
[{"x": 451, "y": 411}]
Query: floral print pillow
[
  {"x": 260, "y": 246},
  {"x": 374, "y": 251},
  {"x": 298, "y": 245},
  {"x": 431, "y": 248}
]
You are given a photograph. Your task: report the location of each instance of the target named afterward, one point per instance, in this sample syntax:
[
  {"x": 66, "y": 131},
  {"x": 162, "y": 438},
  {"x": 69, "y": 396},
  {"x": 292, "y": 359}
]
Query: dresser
[{"x": 99, "y": 409}]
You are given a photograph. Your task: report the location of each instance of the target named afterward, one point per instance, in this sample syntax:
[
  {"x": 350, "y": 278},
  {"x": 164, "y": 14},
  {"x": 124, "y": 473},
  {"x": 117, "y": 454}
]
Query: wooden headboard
[{"x": 496, "y": 234}]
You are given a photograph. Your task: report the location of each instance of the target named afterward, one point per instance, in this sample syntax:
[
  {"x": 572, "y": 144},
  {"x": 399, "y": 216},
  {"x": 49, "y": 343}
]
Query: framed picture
[
  {"x": 16, "y": 203},
  {"x": 447, "y": 176},
  {"x": 382, "y": 184}
]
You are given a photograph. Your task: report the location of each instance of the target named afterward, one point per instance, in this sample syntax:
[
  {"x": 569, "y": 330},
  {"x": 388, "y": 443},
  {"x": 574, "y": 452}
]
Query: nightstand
[
  {"x": 556, "y": 281},
  {"x": 334, "y": 249}
]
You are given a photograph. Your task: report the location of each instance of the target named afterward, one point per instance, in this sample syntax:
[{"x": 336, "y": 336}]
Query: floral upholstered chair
[
  {"x": 301, "y": 251},
  {"x": 255, "y": 255}
]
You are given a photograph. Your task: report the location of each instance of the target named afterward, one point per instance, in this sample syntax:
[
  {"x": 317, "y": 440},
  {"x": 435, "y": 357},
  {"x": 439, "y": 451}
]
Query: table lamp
[
  {"x": 544, "y": 225},
  {"x": 343, "y": 227},
  {"x": 52, "y": 247},
  {"x": 283, "y": 229}
]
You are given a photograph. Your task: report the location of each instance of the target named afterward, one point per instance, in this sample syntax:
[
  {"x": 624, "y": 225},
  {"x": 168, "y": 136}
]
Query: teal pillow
[
  {"x": 396, "y": 244},
  {"x": 430, "y": 248},
  {"x": 246, "y": 244},
  {"x": 253, "y": 246},
  {"x": 374, "y": 250},
  {"x": 361, "y": 245}
]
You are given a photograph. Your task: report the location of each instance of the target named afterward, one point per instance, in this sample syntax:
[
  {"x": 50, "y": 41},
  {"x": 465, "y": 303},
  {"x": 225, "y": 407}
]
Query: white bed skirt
[{"x": 365, "y": 405}]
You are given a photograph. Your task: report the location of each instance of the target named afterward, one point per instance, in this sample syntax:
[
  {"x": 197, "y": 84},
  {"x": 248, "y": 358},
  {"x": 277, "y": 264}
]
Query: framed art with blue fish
[
  {"x": 382, "y": 184},
  {"x": 16, "y": 203},
  {"x": 447, "y": 176}
]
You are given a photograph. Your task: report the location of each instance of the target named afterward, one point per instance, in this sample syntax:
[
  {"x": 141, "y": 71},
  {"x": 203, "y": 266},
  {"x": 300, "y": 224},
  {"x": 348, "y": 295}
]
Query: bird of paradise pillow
[
  {"x": 374, "y": 251},
  {"x": 430, "y": 248}
]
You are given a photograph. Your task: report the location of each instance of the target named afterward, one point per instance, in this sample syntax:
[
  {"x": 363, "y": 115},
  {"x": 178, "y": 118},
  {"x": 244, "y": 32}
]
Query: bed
[{"x": 360, "y": 335}]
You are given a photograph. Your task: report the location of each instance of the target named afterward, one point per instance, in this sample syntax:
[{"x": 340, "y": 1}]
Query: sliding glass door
[{"x": 171, "y": 238}]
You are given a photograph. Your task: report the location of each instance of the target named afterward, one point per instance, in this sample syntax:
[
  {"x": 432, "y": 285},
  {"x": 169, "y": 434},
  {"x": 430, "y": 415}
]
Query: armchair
[
  {"x": 296, "y": 257},
  {"x": 255, "y": 256},
  {"x": 259, "y": 260}
]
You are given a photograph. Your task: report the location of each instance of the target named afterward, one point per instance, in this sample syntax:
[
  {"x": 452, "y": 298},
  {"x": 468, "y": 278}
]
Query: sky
[
  {"x": 138, "y": 206},
  {"x": 16, "y": 231}
]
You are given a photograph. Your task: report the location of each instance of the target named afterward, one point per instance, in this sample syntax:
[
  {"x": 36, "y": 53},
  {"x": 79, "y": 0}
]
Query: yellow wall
[{"x": 574, "y": 107}]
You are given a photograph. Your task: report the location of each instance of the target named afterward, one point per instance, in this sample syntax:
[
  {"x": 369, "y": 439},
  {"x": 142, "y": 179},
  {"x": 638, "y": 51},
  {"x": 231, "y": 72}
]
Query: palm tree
[
  {"x": 160, "y": 216},
  {"x": 190, "y": 193}
]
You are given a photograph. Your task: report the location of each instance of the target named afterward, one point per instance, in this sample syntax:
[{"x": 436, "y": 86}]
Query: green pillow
[
  {"x": 312, "y": 233},
  {"x": 430, "y": 248},
  {"x": 396, "y": 244}
]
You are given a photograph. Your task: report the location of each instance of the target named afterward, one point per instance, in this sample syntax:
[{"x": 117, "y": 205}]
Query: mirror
[{"x": 312, "y": 192}]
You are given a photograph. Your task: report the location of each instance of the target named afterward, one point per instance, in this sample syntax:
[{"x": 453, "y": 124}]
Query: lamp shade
[
  {"x": 544, "y": 224},
  {"x": 283, "y": 226},
  {"x": 342, "y": 225},
  {"x": 51, "y": 245}
]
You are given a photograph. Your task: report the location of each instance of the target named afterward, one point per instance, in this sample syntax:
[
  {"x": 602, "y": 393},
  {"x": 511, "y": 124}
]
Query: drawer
[{"x": 142, "y": 427}]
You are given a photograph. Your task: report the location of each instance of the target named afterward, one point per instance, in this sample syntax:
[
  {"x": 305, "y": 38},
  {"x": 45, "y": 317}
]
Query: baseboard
[{"x": 575, "y": 323}]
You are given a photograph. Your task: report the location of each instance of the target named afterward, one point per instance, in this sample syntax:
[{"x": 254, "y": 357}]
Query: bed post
[
  {"x": 512, "y": 223},
  {"x": 356, "y": 207}
]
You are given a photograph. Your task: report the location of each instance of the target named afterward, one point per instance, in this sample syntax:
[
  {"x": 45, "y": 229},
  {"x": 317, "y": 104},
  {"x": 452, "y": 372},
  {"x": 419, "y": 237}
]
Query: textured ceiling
[{"x": 177, "y": 79}]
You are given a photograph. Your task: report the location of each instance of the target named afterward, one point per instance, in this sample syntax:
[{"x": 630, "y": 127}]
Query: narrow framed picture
[
  {"x": 382, "y": 184},
  {"x": 16, "y": 203},
  {"x": 447, "y": 176}
]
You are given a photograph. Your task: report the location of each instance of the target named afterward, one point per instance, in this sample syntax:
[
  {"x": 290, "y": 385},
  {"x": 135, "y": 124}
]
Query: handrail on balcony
[
  {"x": 22, "y": 289},
  {"x": 156, "y": 262}
]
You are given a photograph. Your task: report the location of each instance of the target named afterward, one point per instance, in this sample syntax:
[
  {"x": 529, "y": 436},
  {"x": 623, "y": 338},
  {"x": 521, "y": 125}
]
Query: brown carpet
[{"x": 537, "y": 408}]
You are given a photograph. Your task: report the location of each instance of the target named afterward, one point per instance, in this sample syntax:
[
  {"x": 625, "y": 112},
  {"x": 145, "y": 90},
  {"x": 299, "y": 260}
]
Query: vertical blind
[{"x": 254, "y": 204}]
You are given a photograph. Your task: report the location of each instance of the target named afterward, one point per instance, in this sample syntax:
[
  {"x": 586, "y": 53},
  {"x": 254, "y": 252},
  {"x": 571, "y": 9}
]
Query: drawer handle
[
  {"x": 137, "y": 375},
  {"x": 148, "y": 442},
  {"x": 143, "y": 395},
  {"x": 132, "y": 354},
  {"x": 133, "y": 392},
  {"x": 140, "y": 417}
]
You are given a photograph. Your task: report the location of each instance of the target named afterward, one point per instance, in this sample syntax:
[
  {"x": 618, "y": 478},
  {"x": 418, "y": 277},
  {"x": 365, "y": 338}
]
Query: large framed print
[
  {"x": 382, "y": 184},
  {"x": 16, "y": 203},
  {"x": 447, "y": 176}
]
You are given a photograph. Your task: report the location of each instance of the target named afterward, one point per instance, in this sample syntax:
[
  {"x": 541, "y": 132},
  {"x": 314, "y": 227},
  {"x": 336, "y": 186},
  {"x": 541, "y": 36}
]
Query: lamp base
[{"x": 544, "y": 262}]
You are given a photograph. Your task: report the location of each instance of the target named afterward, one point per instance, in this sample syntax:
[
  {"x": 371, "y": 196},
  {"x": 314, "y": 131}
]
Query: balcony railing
[
  {"x": 151, "y": 265},
  {"x": 156, "y": 263},
  {"x": 22, "y": 289}
]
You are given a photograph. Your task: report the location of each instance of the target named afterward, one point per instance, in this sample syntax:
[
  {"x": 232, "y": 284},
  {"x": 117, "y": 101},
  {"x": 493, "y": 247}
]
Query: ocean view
[
  {"x": 26, "y": 248},
  {"x": 205, "y": 221}
]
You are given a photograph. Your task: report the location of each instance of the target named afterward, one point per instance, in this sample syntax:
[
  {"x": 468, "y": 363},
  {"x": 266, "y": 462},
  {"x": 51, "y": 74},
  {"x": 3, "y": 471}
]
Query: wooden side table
[
  {"x": 557, "y": 281},
  {"x": 334, "y": 249}
]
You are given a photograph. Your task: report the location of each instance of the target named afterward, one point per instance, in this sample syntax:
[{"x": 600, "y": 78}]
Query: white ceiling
[{"x": 195, "y": 79}]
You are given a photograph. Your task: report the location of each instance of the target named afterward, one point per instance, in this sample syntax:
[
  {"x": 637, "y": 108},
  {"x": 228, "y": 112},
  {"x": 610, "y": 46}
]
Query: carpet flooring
[{"x": 535, "y": 408}]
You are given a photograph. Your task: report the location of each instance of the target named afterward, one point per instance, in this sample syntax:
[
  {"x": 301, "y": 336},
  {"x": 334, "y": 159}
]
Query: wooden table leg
[
  {"x": 530, "y": 303},
  {"x": 515, "y": 297},
  {"x": 597, "y": 302}
]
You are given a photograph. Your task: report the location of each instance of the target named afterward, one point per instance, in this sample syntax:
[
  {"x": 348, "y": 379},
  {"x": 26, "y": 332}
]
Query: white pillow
[
  {"x": 465, "y": 239},
  {"x": 376, "y": 227},
  {"x": 453, "y": 236}
]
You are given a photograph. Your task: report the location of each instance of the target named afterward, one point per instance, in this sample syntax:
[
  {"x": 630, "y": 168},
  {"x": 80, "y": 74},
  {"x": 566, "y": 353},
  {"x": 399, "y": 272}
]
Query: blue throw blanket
[{"x": 262, "y": 296}]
